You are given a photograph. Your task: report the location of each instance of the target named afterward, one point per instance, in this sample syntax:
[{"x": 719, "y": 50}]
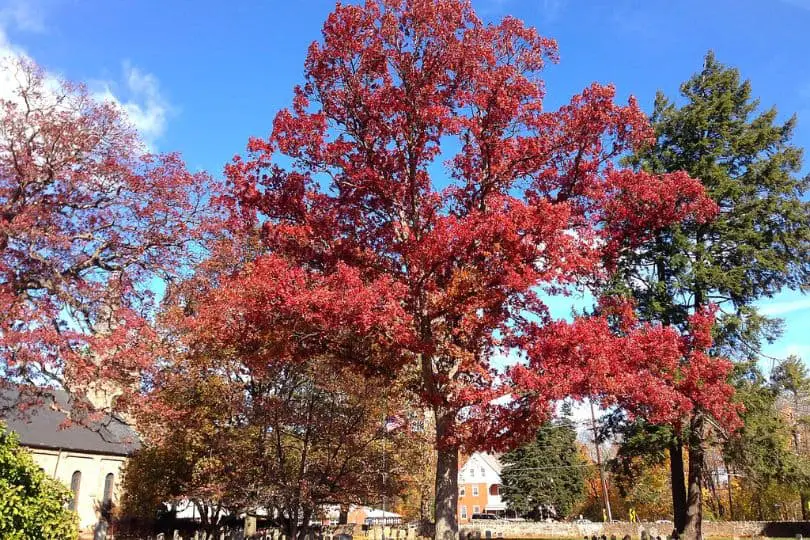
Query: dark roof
[{"x": 38, "y": 426}]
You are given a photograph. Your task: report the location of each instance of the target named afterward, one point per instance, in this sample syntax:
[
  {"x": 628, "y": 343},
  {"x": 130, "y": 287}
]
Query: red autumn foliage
[
  {"x": 88, "y": 222},
  {"x": 371, "y": 251},
  {"x": 532, "y": 201}
]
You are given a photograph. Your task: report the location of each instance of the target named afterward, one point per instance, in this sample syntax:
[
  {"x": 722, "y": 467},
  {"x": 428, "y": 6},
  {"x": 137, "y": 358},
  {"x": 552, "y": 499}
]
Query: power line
[{"x": 582, "y": 466}]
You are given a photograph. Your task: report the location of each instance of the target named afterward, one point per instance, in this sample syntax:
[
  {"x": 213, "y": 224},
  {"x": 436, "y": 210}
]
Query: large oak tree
[{"x": 415, "y": 204}]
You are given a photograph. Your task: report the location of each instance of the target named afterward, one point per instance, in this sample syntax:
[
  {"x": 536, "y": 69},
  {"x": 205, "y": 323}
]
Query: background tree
[
  {"x": 188, "y": 455},
  {"x": 648, "y": 492},
  {"x": 414, "y": 460},
  {"x": 757, "y": 245},
  {"x": 348, "y": 197},
  {"x": 88, "y": 219},
  {"x": 308, "y": 432},
  {"x": 790, "y": 380},
  {"x": 761, "y": 456},
  {"x": 544, "y": 474},
  {"x": 591, "y": 505},
  {"x": 32, "y": 505},
  {"x": 641, "y": 467}
]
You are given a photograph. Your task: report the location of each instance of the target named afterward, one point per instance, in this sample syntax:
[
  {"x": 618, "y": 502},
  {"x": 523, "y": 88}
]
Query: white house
[{"x": 479, "y": 481}]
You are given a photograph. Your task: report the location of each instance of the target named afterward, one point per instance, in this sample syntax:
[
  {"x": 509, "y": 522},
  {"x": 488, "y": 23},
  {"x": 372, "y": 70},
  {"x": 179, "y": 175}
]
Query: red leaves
[
  {"x": 274, "y": 313},
  {"x": 532, "y": 201},
  {"x": 87, "y": 224},
  {"x": 638, "y": 203},
  {"x": 650, "y": 370}
]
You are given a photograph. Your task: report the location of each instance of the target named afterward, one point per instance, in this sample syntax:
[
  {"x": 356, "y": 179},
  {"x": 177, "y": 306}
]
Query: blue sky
[{"x": 201, "y": 76}]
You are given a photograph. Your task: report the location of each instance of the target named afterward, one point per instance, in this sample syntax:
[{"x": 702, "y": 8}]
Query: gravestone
[{"x": 250, "y": 525}]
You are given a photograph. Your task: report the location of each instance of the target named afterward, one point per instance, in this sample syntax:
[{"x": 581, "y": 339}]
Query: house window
[
  {"x": 483, "y": 472},
  {"x": 109, "y": 482},
  {"x": 494, "y": 489},
  {"x": 475, "y": 491},
  {"x": 463, "y": 512},
  {"x": 75, "y": 484},
  {"x": 472, "y": 472},
  {"x": 461, "y": 491},
  {"x": 476, "y": 509}
]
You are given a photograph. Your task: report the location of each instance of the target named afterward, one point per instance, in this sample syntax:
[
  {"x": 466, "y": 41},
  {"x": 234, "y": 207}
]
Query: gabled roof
[
  {"x": 490, "y": 460},
  {"x": 39, "y": 427}
]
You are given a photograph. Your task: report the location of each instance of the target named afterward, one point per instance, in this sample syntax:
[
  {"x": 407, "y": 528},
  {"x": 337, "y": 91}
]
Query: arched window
[
  {"x": 109, "y": 482},
  {"x": 75, "y": 484}
]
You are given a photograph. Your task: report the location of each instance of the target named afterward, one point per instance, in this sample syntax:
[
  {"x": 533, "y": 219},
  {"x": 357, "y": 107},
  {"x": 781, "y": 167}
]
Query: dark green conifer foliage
[
  {"x": 758, "y": 245},
  {"x": 546, "y": 472}
]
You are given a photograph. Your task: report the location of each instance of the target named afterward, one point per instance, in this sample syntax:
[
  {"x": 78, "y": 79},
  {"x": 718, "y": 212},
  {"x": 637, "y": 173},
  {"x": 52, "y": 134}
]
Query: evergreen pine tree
[
  {"x": 545, "y": 473},
  {"x": 756, "y": 247}
]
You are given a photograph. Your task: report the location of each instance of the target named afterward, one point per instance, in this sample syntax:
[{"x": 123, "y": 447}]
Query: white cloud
[
  {"x": 776, "y": 309},
  {"x": 136, "y": 92},
  {"x": 26, "y": 15},
  {"x": 144, "y": 104}
]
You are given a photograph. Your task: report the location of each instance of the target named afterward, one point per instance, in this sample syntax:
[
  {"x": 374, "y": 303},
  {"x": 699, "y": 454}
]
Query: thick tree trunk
[
  {"x": 292, "y": 525},
  {"x": 304, "y": 529},
  {"x": 694, "y": 498},
  {"x": 678, "y": 481},
  {"x": 343, "y": 517},
  {"x": 446, "y": 482}
]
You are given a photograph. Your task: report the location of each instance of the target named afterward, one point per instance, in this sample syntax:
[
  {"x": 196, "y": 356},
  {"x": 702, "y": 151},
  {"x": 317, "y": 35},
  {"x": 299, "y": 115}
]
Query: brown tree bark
[
  {"x": 446, "y": 482},
  {"x": 694, "y": 497},
  {"x": 678, "y": 481}
]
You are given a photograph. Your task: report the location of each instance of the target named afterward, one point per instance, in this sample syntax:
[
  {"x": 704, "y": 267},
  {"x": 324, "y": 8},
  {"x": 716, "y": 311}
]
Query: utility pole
[
  {"x": 729, "y": 474},
  {"x": 605, "y": 499},
  {"x": 384, "y": 465}
]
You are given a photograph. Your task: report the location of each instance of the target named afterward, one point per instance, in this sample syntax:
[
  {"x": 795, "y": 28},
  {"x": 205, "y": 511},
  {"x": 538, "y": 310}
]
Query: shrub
[{"x": 32, "y": 505}]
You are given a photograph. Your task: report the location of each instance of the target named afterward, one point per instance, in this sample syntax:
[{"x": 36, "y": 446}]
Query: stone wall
[{"x": 711, "y": 529}]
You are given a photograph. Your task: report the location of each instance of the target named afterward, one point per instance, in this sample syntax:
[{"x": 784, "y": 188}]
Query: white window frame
[
  {"x": 476, "y": 510},
  {"x": 461, "y": 491},
  {"x": 475, "y": 494},
  {"x": 463, "y": 511}
]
